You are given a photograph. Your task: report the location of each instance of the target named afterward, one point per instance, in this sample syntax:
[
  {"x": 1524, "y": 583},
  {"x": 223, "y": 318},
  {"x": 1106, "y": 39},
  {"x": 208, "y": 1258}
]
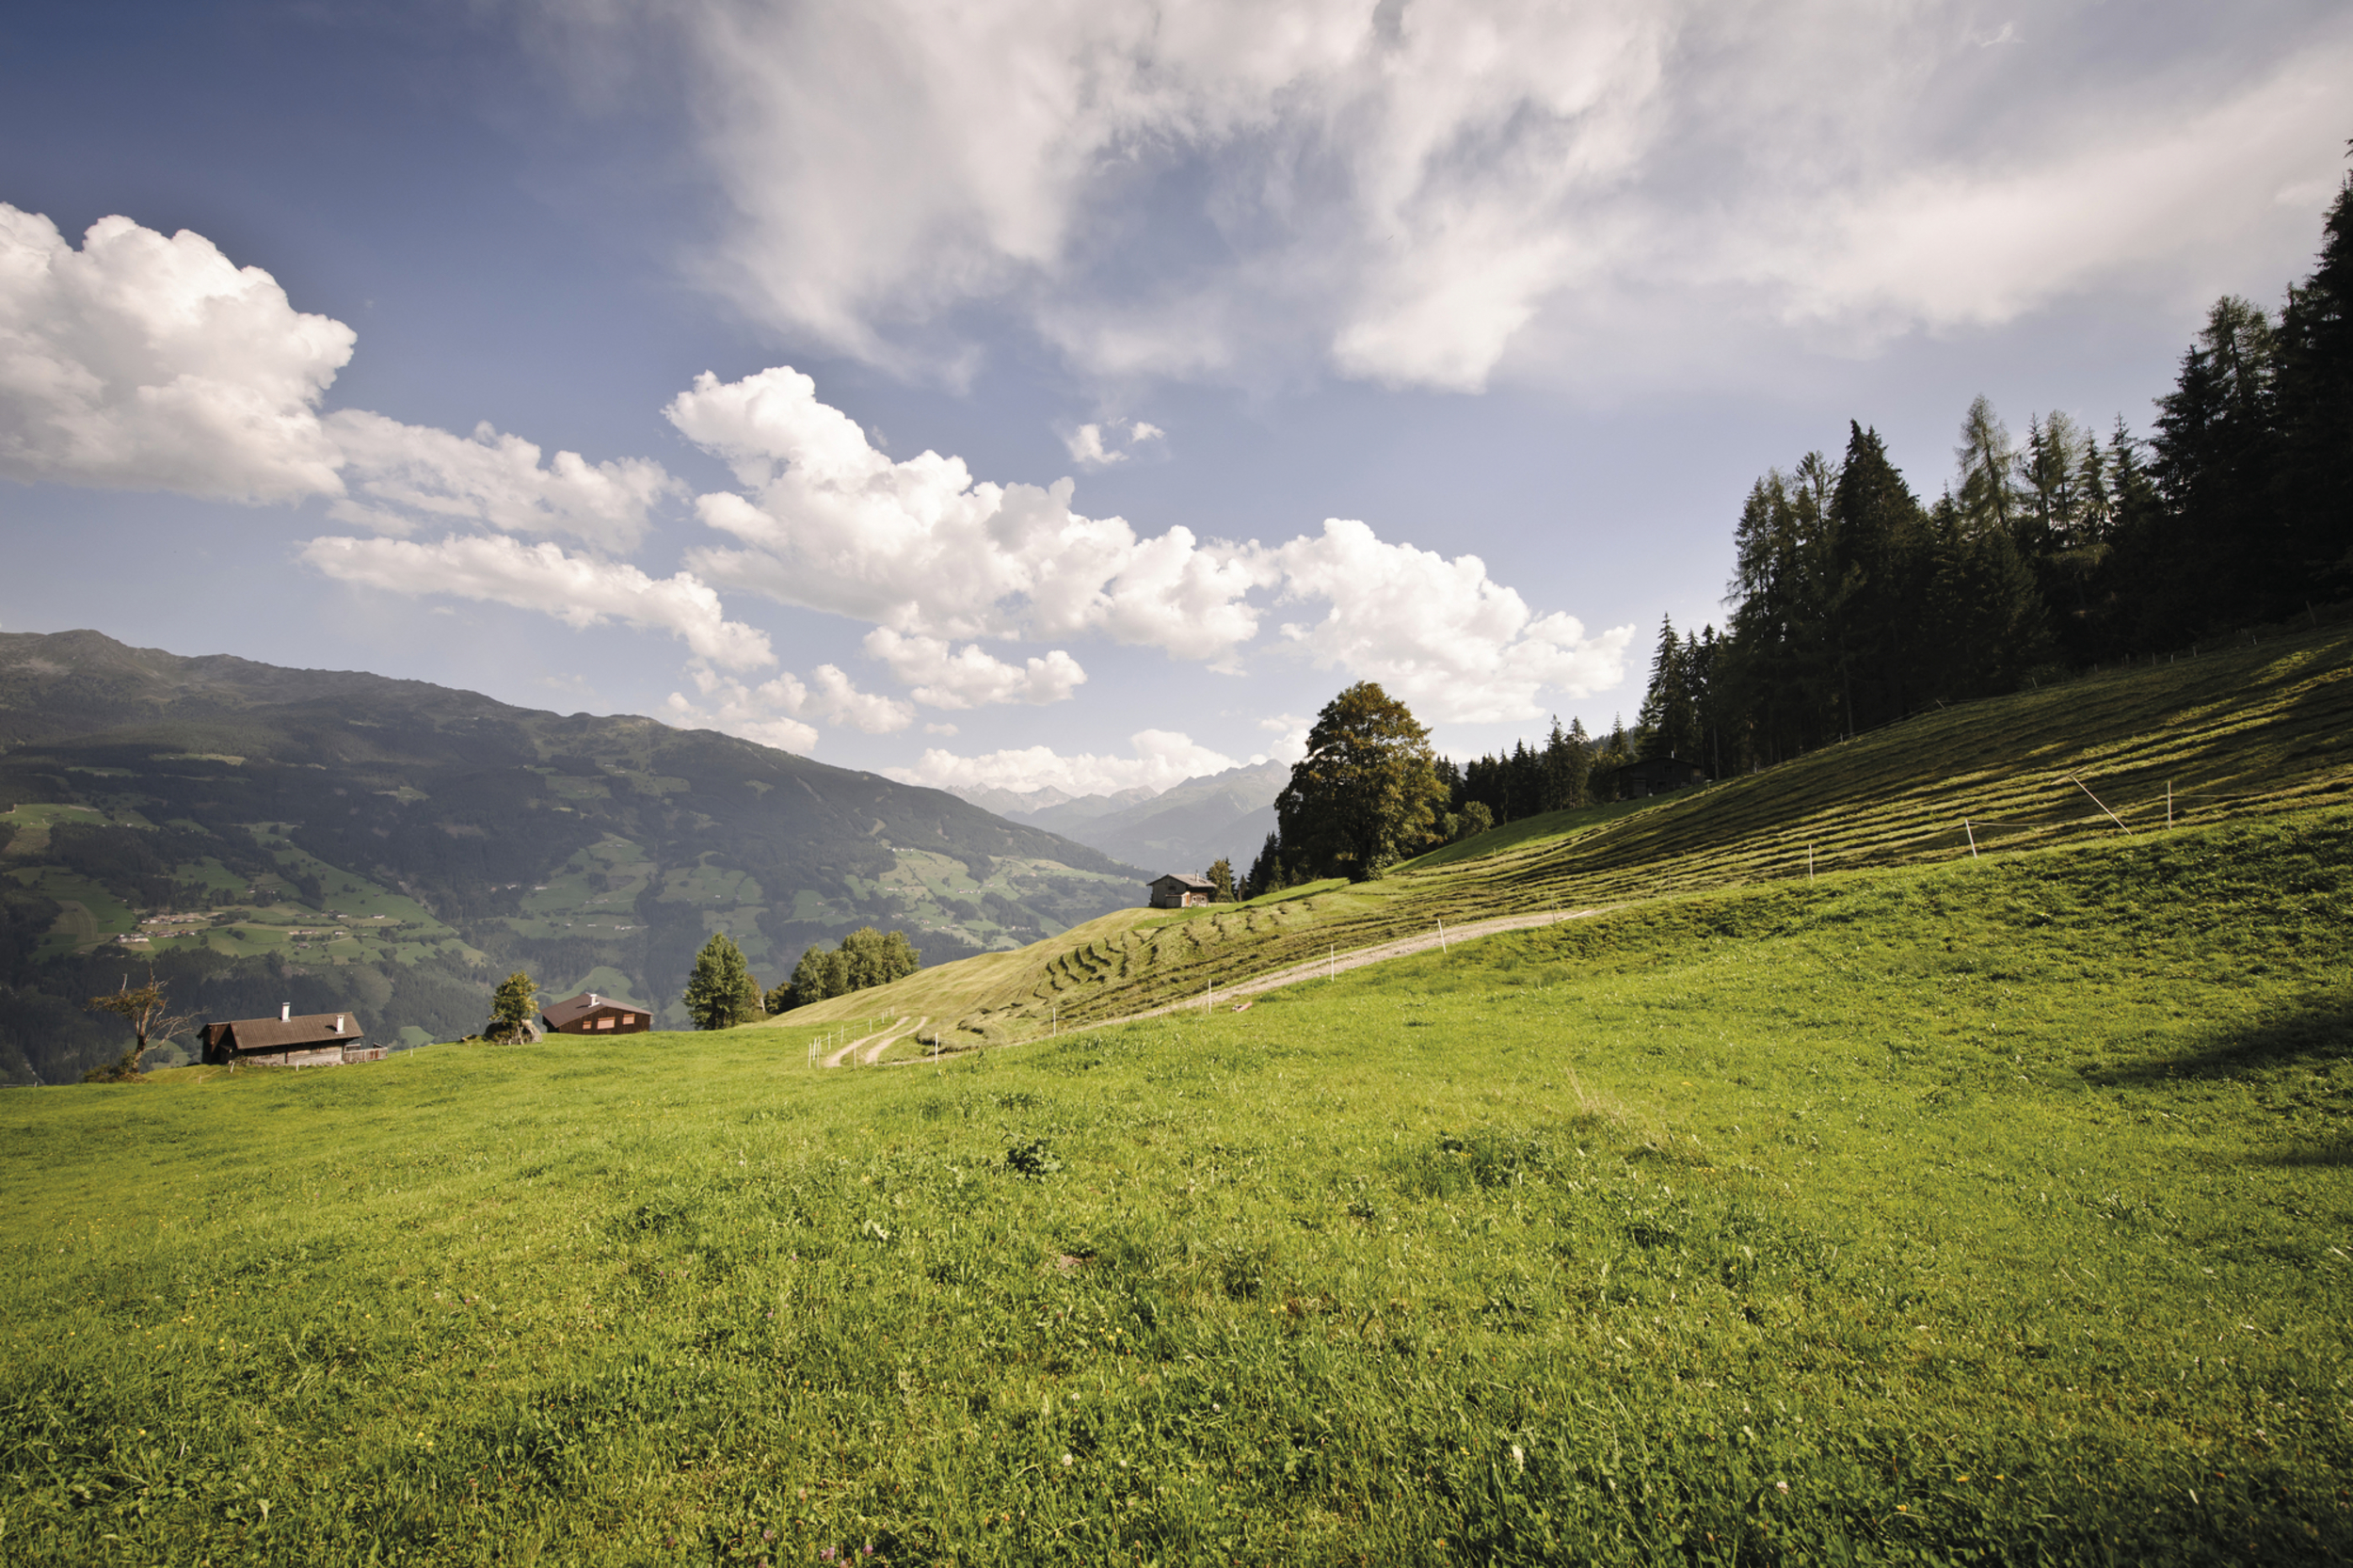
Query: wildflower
[
  {"x": 1780, "y": 1486},
  {"x": 1066, "y": 1458}
]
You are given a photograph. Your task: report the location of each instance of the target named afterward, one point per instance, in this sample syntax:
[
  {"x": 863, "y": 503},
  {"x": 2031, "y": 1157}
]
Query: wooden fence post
[{"x": 1973, "y": 838}]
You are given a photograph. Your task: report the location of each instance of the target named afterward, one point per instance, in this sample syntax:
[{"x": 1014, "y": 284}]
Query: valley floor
[{"x": 1995, "y": 1211}]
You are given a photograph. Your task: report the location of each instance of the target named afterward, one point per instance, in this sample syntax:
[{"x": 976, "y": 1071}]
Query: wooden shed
[
  {"x": 1177, "y": 890},
  {"x": 310, "y": 1040},
  {"x": 590, "y": 1014}
]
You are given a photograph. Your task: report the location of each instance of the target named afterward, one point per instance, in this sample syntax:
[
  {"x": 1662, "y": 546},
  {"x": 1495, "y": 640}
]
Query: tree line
[{"x": 1855, "y": 603}]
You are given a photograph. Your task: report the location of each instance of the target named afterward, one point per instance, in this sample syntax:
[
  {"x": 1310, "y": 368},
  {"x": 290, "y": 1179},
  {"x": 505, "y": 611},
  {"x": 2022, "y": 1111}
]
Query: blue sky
[{"x": 723, "y": 360}]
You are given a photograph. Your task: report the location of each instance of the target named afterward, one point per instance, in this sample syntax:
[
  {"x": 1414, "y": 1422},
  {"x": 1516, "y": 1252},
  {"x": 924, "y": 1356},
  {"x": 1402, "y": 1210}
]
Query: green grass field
[
  {"x": 1979, "y": 1211},
  {"x": 2237, "y": 734}
]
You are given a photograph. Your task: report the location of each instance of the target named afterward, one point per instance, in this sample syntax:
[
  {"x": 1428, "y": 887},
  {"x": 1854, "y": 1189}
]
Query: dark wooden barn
[{"x": 311, "y": 1040}]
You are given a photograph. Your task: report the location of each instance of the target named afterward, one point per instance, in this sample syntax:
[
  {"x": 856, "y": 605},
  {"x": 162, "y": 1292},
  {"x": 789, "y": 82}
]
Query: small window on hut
[{"x": 605, "y": 1022}]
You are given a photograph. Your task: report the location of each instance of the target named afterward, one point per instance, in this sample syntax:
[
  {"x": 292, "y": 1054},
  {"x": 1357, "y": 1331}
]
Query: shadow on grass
[
  {"x": 2319, "y": 1029},
  {"x": 2318, "y": 1032}
]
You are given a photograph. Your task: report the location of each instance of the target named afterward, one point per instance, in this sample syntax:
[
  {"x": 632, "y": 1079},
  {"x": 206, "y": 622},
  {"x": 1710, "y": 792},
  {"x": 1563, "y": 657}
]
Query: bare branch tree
[{"x": 143, "y": 1009}]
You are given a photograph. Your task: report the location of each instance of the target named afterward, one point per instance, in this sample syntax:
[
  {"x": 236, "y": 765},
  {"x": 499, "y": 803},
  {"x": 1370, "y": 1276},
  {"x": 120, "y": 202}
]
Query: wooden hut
[
  {"x": 311, "y": 1040},
  {"x": 1177, "y": 890},
  {"x": 590, "y": 1014}
]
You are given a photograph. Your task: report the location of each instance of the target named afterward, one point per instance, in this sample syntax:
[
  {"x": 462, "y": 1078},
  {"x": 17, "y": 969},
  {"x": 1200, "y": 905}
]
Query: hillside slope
[
  {"x": 1979, "y": 1213},
  {"x": 348, "y": 839},
  {"x": 2249, "y": 731}
]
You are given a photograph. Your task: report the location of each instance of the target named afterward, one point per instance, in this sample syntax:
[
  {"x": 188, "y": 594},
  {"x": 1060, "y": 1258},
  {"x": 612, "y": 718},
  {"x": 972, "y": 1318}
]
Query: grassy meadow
[
  {"x": 2232, "y": 734},
  {"x": 1993, "y": 1210}
]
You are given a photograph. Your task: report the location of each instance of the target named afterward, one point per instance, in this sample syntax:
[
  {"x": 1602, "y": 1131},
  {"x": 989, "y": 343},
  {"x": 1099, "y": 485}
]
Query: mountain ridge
[{"x": 455, "y": 836}]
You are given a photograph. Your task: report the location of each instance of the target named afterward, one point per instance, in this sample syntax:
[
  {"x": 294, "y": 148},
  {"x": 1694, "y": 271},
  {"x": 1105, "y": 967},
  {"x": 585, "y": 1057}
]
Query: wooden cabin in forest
[
  {"x": 310, "y": 1040},
  {"x": 1177, "y": 890},
  {"x": 590, "y": 1014}
]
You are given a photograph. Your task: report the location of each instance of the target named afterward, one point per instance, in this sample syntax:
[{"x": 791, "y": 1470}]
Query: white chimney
[
  {"x": 285, "y": 1012},
  {"x": 339, "y": 1023},
  {"x": 592, "y": 999}
]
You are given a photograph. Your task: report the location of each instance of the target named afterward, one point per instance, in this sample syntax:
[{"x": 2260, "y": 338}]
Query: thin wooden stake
[
  {"x": 1442, "y": 936},
  {"x": 1973, "y": 838},
  {"x": 1809, "y": 864},
  {"x": 2101, "y": 804}
]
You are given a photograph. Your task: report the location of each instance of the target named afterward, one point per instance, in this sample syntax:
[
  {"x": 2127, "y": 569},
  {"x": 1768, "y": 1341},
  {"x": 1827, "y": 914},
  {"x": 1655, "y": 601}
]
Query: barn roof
[
  {"x": 307, "y": 1029},
  {"x": 1185, "y": 879},
  {"x": 573, "y": 1009}
]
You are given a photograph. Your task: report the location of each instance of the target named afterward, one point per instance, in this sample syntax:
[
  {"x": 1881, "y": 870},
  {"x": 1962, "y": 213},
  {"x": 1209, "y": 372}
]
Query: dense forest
[{"x": 1853, "y": 602}]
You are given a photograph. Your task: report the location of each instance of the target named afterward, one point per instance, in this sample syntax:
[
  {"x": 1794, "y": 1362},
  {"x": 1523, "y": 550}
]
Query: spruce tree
[
  {"x": 2216, "y": 555},
  {"x": 2312, "y": 485}
]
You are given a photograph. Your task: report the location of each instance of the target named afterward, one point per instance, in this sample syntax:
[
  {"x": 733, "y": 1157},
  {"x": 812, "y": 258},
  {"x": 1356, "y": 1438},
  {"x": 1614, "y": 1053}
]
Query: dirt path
[
  {"x": 1318, "y": 968},
  {"x": 885, "y": 1035},
  {"x": 889, "y": 1037}
]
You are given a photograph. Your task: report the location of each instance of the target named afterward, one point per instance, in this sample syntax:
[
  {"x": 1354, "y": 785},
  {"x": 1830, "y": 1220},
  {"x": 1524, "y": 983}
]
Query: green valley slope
[
  {"x": 2246, "y": 732},
  {"x": 348, "y": 840}
]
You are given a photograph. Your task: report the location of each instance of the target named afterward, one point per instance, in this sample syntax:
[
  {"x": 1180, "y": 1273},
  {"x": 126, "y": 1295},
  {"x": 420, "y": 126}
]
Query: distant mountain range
[
  {"x": 337, "y": 840},
  {"x": 1223, "y": 815}
]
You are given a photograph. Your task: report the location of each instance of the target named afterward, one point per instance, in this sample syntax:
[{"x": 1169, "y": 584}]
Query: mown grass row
[
  {"x": 2229, "y": 734},
  {"x": 1979, "y": 1212}
]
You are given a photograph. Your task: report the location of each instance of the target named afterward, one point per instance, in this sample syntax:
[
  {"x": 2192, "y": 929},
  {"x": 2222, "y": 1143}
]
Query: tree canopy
[
  {"x": 511, "y": 1007},
  {"x": 1367, "y": 793},
  {"x": 866, "y": 957},
  {"x": 721, "y": 993}
]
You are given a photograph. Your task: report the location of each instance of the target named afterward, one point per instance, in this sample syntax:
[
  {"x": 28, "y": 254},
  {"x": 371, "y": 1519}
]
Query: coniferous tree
[
  {"x": 1221, "y": 879},
  {"x": 1668, "y": 724},
  {"x": 2312, "y": 485},
  {"x": 1266, "y": 871},
  {"x": 2214, "y": 551}
]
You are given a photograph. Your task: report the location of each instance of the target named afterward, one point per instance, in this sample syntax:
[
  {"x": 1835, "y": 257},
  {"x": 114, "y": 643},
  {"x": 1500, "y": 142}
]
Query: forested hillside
[
  {"x": 339, "y": 840},
  {"x": 1854, "y": 601}
]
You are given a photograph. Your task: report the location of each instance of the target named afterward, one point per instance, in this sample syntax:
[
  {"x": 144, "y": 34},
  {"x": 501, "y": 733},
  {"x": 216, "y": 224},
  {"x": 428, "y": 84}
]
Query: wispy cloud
[{"x": 1427, "y": 193}]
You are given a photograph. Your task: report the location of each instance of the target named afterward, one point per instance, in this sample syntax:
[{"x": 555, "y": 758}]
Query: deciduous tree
[
  {"x": 721, "y": 993},
  {"x": 1367, "y": 793},
  {"x": 511, "y": 1006}
]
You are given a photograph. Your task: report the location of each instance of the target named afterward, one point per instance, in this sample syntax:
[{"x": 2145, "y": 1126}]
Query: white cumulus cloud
[
  {"x": 1450, "y": 641},
  {"x": 407, "y": 473},
  {"x": 971, "y": 677},
  {"x": 928, "y": 555},
  {"x": 145, "y": 363},
  {"x": 1163, "y": 757},
  {"x": 920, "y": 546},
  {"x": 578, "y": 590},
  {"x": 772, "y": 711},
  {"x": 1089, "y": 448}
]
